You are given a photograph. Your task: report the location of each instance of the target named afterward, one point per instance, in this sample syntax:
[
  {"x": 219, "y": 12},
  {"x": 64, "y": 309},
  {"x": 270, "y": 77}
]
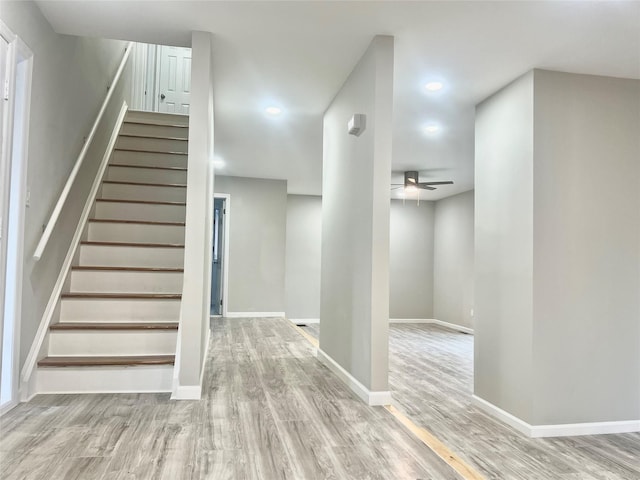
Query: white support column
[
  {"x": 557, "y": 254},
  {"x": 354, "y": 306},
  {"x": 194, "y": 313}
]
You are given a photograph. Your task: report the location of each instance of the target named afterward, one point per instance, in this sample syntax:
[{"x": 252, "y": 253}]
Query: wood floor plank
[
  {"x": 431, "y": 381},
  {"x": 269, "y": 411}
]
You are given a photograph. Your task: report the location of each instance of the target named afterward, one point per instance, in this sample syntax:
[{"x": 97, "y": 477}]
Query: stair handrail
[{"x": 53, "y": 219}]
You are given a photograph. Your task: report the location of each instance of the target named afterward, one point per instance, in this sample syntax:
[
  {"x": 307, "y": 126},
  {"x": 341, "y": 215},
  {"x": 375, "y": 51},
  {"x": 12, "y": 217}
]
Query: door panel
[{"x": 174, "y": 80}]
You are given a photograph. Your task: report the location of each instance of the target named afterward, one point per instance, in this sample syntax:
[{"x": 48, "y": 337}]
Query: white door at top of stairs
[{"x": 174, "y": 80}]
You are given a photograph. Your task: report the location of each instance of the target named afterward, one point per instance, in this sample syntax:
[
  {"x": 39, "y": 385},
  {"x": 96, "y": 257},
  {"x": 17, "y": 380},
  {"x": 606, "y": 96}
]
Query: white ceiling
[{"x": 297, "y": 54}]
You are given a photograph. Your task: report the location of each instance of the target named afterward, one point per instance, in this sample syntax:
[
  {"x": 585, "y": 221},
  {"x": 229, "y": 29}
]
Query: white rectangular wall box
[{"x": 357, "y": 124}]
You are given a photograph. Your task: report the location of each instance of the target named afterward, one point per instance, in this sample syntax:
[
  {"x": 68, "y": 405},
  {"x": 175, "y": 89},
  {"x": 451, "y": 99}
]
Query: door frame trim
[
  {"x": 18, "y": 53},
  {"x": 225, "y": 248}
]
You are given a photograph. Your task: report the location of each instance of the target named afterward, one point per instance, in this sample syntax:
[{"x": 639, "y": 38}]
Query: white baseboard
[
  {"x": 410, "y": 320},
  {"x": 8, "y": 407},
  {"x": 560, "y": 430},
  {"x": 505, "y": 417},
  {"x": 304, "y": 321},
  {"x": 591, "y": 428},
  {"x": 453, "y": 326},
  {"x": 367, "y": 396},
  {"x": 187, "y": 392},
  {"x": 27, "y": 389},
  {"x": 254, "y": 314},
  {"x": 192, "y": 392},
  {"x": 433, "y": 321}
]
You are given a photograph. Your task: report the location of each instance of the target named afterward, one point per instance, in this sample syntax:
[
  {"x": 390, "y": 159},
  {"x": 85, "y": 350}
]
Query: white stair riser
[
  {"x": 100, "y": 281},
  {"x": 112, "y": 342},
  {"x": 135, "y": 232},
  {"x": 143, "y": 192},
  {"x": 152, "y": 144},
  {"x": 115, "y": 256},
  {"x": 156, "y": 117},
  {"x": 146, "y": 175},
  {"x": 149, "y": 159},
  {"x": 156, "y": 378},
  {"x": 114, "y": 310},
  {"x": 154, "y": 130},
  {"x": 140, "y": 211}
]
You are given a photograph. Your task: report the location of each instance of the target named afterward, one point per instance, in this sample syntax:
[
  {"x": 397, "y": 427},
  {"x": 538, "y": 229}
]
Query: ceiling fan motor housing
[{"x": 411, "y": 178}]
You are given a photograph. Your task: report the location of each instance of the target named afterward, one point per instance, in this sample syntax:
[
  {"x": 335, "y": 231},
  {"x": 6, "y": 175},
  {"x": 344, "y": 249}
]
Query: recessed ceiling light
[
  {"x": 433, "y": 86},
  {"x": 273, "y": 111},
  {"x": 432, "y": 128}
]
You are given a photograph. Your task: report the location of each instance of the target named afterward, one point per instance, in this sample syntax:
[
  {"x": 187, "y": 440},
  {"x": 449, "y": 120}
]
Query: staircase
[{"x": 118, "y": 321}]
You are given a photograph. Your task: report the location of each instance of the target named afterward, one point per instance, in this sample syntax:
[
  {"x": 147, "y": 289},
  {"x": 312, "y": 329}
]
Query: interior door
[
  {"x": 174, "y": 80},
  {"x": 218, "y": 256}
]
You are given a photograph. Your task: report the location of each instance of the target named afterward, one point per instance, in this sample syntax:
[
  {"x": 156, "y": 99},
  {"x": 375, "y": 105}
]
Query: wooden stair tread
[
  {"x": 145, "y": 202},
  {"x": 107, "y": 361},
  {"x": 145, "y": 184},
  {"x": 126, "y": 269},
  {"x": 149, "y": 151},
  {"x": 114, "y": 326},
  {"x": 148, "y": 167},
  {"x": 125, "y": 296},
  {"x": 154, "y": 137},
  {"x": 136, "y": 222},
  {"x": 155, "y": 124},
  {"x": 133, "y": 244}
]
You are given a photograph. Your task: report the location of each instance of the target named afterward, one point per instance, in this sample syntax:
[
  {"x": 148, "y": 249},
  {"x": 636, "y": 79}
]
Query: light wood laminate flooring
[
  {"x": 269, "y": 411},
  {"x": 431, "y": 381}
]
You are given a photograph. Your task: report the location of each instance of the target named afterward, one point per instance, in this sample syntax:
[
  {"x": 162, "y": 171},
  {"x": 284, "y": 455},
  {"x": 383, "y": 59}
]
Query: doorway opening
[
  {"x": 161, "y": 78},
  {"x": 16, "y": 66},
  {"x": 220, "y": 256}
]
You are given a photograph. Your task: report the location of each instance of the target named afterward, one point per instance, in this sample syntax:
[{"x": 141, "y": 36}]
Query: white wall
[
  {"x": 411, "y": 259},
  {"x": 453, "y": 260},
  {"x": 558, "y": 249},
  {"x": 257, "y": 242},
  {"x": 70, "y": 78},
  {"x": 196, "y": 292},
  {"x": 302, "y": 276},
  {"x": 354, "y": 299},
  {"x": 586, "y": 285},
  {"x": 504, "y": 248}
]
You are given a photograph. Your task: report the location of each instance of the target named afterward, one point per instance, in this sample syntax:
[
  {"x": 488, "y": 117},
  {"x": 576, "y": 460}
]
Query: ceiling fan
[{"x": 413, "y": 184}]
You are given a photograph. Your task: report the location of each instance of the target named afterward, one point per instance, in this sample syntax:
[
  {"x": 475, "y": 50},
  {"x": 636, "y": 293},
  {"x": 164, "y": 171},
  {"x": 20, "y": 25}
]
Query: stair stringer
[
  {"x": 28, "y": 377},
  {"x": 91, "y": 304}
]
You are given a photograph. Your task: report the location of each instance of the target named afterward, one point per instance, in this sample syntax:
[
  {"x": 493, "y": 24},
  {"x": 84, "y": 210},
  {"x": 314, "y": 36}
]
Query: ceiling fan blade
[
  {"x": 425, "y": 187},
  {"x": 449, "y": 182}
]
